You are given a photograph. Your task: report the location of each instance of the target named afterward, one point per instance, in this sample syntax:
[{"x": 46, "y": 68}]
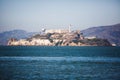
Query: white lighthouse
[{"x": 69, "y": 28}]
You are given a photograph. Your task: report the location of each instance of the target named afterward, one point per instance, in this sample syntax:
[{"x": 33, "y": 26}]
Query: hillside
[
  {"x": 111, "y": 33},
  {"x": 19, "y": 34}
]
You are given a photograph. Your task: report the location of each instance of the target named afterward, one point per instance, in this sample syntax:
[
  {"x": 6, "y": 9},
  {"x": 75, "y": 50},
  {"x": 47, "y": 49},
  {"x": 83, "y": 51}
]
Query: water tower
[{"x": 43, "y": 31}]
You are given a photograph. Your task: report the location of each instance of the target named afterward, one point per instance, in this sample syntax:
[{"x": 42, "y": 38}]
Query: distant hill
[
  {"x": 111, "y": 33},
  {"x": 19, "y": 34}
]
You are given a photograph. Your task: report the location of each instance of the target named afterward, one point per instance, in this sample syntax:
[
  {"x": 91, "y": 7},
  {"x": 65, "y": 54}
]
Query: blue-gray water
[{"x": 59, "y": 63}]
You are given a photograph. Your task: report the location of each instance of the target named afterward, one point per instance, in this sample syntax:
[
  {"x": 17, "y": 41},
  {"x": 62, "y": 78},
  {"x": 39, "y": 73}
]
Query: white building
[
  {"x": 56, "y": 31},
  {"x": 91, "y": 37}
]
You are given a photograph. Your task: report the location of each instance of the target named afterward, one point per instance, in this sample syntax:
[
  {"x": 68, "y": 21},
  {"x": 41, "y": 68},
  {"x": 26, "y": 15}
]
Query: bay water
[{"x": 59, "y": 63}]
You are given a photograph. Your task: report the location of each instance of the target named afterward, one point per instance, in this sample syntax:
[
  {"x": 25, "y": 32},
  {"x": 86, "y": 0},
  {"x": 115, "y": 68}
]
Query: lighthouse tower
[{"x": 69, "y": 28}]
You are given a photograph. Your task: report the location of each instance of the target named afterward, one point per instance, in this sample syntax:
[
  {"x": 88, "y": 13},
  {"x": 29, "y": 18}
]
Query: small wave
[{"x": 82, "y": 59}]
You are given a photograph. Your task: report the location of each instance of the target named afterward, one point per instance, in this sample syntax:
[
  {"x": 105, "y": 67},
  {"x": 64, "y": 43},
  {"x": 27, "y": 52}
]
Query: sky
[{"x": 34, "y": 15}]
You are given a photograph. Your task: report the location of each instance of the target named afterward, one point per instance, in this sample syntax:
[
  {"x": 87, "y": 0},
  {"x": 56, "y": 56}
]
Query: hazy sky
[{"x": 33, "y": 15}]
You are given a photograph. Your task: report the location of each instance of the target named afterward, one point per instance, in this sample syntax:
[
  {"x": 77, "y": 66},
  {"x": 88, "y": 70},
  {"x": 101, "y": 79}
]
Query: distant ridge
[
  {"x": 19, "y": 34},
  {"x": 111, "y": 32}
]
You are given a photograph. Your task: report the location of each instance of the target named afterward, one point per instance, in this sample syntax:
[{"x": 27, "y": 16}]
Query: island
[{"x": 59, "y": 37}]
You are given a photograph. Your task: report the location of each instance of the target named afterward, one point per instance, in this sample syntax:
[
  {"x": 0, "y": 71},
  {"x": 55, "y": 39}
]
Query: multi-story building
[{"x": 57, "y": 31}]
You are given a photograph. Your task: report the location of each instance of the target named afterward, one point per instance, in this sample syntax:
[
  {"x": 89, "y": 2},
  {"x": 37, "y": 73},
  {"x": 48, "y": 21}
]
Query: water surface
[{"x": 59, "y": 63}]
